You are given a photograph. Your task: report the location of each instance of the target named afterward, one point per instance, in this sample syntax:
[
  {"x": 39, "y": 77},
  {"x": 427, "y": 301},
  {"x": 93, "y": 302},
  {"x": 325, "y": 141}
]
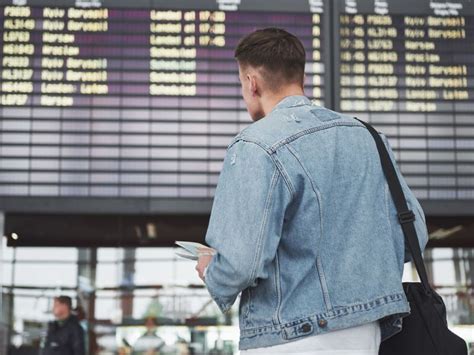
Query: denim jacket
[{"x": 304, "y": 226}]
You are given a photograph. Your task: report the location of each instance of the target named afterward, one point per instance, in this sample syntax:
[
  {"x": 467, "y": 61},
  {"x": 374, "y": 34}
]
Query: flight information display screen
[
  {"x": 127, "y": 101},
  {"x": 408, "y": 67}
]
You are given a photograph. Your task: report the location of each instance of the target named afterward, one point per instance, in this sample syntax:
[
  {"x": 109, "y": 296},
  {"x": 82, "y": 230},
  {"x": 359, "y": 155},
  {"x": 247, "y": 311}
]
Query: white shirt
[{"x": 360, "y": 340}]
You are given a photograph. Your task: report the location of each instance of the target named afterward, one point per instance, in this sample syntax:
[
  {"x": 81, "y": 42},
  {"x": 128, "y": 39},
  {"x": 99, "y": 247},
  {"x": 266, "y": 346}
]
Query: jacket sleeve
[
  {"x": 413, "y": 204},
  {"x": 246, "y": 221},
  {"x": 78, "y": 340}
]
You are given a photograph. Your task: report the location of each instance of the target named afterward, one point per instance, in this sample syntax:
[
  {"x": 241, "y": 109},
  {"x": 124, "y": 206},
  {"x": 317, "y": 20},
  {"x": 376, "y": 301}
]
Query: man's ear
[{"x": 254, "y": 88}]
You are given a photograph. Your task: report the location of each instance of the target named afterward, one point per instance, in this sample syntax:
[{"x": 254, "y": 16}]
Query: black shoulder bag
[{"x": 425, "y": 330}]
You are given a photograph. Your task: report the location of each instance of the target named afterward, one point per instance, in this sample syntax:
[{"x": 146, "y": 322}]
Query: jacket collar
[{"x": 291, "y": 101}]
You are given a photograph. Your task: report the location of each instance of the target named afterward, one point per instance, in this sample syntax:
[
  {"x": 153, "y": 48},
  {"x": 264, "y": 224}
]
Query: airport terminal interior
[{"x": 115, "y": 116}]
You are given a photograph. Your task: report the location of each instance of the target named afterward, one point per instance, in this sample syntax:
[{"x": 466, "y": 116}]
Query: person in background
[
  {"x": 65, "y": 336},
  {"x": 302, "y": 221},
  {"x": 82, "y": 318},
  {"x": 149, "y": 343}
]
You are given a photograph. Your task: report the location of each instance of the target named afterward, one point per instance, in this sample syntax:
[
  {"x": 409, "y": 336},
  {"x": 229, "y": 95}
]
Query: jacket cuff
[{"x": 224, "y": 304}]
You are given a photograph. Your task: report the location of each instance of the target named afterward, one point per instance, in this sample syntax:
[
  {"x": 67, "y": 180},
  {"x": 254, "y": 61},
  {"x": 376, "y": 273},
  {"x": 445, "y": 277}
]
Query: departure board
[
  {"x": 408, "y": 67},
  {"x": 125, "y": 102},
  {"x": 119, "y": 99}
]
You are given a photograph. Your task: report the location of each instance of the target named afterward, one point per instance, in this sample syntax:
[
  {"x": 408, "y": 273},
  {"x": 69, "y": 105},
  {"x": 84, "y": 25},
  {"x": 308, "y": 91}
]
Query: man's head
[
  {"x": 150, "y": 324},
  {"x": 271, "y": 63},
  {"x": 62, "y": 307}
]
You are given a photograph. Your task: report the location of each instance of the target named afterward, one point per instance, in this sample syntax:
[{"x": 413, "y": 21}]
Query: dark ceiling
[{"x": 74, "y": 230}]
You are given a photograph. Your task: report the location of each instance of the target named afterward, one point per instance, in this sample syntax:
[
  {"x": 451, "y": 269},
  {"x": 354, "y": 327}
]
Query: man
[
  {"x": 65, "y": 335},
  {"x": 302, "y": 222}
]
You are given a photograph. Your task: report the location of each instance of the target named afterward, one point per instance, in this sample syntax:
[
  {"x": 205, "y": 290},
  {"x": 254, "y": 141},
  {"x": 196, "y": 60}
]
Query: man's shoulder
[
  {"x": 74, "y": 324},
  {"x": 73, "y": 319},
  {"x": 283, "y": 124}
]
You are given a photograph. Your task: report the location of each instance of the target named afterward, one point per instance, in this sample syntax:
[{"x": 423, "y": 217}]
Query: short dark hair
[
  {"x": 64, "y": 300},
  {"x": 278, "y": 52}
]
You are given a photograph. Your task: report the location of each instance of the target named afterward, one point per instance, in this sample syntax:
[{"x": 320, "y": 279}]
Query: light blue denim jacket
[{"x": 305, "y": 227}]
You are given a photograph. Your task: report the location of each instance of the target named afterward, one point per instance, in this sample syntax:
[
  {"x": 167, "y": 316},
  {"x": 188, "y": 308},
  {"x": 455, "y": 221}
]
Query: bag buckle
[{"x": 406, "y": 217}]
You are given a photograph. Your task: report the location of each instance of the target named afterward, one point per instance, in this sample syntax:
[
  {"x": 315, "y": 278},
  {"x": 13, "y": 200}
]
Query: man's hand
[{"x": 205, "y": 257}]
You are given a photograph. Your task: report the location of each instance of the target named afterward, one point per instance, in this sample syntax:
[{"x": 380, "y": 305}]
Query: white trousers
[{"x": 360, "y": 340}]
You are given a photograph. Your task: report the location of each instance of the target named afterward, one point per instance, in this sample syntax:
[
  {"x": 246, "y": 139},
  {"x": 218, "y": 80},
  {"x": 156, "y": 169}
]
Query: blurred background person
[
  {"x": 149, "y": 343},
  {"x": 82, "y": 318},
  {"x": 65, "y": 336}
]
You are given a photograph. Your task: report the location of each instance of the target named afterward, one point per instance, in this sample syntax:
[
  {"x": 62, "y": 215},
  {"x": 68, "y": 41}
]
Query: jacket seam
[
  {"x": 277, "y": 314},
  {"x": 319, "y": 266},
  {"x": 302, "y": 133},
  {"x": 284, "y": 175},
  {"x": 339, "y": 312},
  {"x": 274, "y": 159},
  {"x": 269, "y": 200}
]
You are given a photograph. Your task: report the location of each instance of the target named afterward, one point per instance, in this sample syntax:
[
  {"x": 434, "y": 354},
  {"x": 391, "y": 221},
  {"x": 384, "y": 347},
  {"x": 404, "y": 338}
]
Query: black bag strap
[{"x": 406, "y": 217}]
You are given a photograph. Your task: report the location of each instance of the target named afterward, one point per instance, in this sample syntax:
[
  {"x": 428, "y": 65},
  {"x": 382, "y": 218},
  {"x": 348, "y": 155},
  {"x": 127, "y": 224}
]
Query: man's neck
[{"x": 269, "y": 102}]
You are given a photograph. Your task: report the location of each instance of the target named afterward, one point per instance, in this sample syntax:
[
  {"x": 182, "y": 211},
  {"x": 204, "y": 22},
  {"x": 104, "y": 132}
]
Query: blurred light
[
  {"x": 151, "y": 229},
  {"x": 14, "y": 236},
  {"x": 442, "y": 233}
]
